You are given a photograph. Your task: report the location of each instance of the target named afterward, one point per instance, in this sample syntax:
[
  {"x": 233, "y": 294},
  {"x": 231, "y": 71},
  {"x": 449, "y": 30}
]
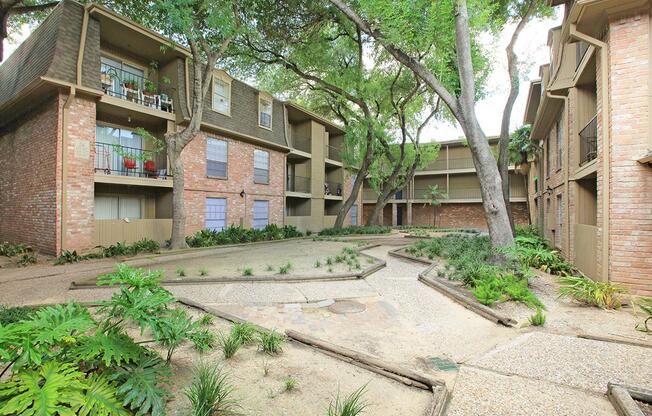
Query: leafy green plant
[
  {"x": 248, "y": 271},
  {"x": 203, "y": 271},
  {"x": 538, "y": 319},
  {"x": 329, "y": 261},
  {"x": 645, "y": 304},
  {"x": 340, "y": 258},
  {"x": 8, "y": 249},
  {"x": 181, "y": 272},
  {"x": 210, "y": 392},
  {"x": 285, "y": 269},
  {"x": 26, "y": 259},
  {"x": 230, "y": 344},
  {"x": 14, "y": 314},
  {"x": 270, "y": 342},
  {"x": 206, "y": 319},
  {"x": 360, "y": 229},
  {"x": 351, "y": 405},
  {"x": 238, "y": 235},
  {"x": 244, "y": 331},
  {"x": 68, "y": 257},
  {"x": 317, "y": 264},
  {"x": 487, "y": 292},
  {"x": 290, "y": 383},
  {"x": 589, "y": 292}
]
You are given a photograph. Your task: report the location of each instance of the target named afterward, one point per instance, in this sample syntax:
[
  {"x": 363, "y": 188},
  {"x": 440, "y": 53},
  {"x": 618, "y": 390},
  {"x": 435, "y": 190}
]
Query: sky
[{"x": 531, "y": 50}]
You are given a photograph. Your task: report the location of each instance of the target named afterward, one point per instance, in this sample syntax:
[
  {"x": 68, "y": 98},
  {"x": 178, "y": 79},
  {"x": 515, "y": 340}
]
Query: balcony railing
[
  {"x": 333, "y": 153},
  {"x": 301, "y": 143},
  {"x": 464, "y": 193},
  {"x": 113, "y": 159},
  {"x": 589, "y": 141},
  {"x": 332, "y": 188},
  {"x": 129, "y": 86},
  {"x": 298, "y": 184},
  {"x": 452, "y": 164}
]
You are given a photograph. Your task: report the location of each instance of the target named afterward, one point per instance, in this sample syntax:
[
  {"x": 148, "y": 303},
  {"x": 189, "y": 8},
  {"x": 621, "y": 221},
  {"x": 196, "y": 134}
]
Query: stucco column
[
  {"x": 394, "y": 214},
  {"x": 409, "y": 213}
]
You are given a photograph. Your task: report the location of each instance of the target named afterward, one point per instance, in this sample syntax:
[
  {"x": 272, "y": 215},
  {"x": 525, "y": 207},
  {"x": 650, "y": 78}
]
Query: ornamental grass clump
[
  {"x": 211, "y": 392},
  {"x": 603, "y": 295}
]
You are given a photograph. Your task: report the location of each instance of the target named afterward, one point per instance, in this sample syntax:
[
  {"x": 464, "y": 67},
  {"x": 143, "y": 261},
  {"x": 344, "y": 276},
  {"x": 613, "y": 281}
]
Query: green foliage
[
  {"x": 238, "y": 235},
  {"x": 645, "y": 304},
  {"x": 119, "y": 249},
  {"x": 230, "y": 344},
  {"x": 26, "y": 259},
  {"x": 290, "y": 383},
  {"x": 8, "y": 249},
  {"x": 531, "y": 250},
  {"x": 206, "y": 319},
  {"x": 317, "y": 264},
  {"x": 203, "y": 271},
  {"x": 210, "y": 392},
  {"x": 521, "y": 148},
  {"x": 181, "y": 272},
  {"x": 351, "y": 405},
  {"x": 68, "y": 257},
  {"x": 285, "y": 269},
  {"x": 248, "y": 271},
  {"x": 16, "y": 313},
  {"x": 244, "y": 331},
  {"x": 435, "y": 195},
  {"x": 538, "y": 319},
  {"x": 141, "y": 384},
  {"x": 589, "y": 292},
  {"x": 356, "y": 229},
  {"x": 270, "y": 342}
]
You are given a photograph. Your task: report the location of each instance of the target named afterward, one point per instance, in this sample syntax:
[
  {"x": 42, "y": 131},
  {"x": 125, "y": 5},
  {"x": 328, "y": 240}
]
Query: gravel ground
[
  {"x": 571, "y": 361},
  {"x": 484, "y": 393}
]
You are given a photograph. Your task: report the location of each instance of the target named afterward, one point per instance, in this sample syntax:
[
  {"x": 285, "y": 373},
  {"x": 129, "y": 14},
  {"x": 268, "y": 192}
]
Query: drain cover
[
  {"x": 442, "y": 364},
  {"x": 343, "y": 307}
]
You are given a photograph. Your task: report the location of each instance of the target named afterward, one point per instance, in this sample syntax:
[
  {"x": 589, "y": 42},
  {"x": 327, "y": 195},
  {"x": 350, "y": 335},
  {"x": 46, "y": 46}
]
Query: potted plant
[
  {"x": 149, "y": 88},
  {"x": 150, "y": 166},
  {"x": 129, "y": 163},
  {"x": 130, "y": 84}
]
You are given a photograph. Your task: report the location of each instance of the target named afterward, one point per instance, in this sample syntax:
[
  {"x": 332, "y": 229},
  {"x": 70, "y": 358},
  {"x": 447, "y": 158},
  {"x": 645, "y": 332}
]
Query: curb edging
[{"x": 622, "y": 398}]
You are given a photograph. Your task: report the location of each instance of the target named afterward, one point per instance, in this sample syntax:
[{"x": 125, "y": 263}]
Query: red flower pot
[
  {"x": 130, "y": 163},
  {"x": 150, "y": 166}
]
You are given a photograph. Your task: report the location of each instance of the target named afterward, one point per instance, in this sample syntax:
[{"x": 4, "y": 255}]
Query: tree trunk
[
  {"x": 374, "y": 218},
  {"x": 178, "y": 239}
]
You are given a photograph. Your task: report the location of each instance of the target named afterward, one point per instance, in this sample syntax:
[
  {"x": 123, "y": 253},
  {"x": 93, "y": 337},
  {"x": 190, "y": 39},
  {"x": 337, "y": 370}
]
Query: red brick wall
[
  {"x": 460, "y": 215},
  {"x": 631, "y": 182},
  {"x": 28, "y": 178},
  {"x": 80, "y": 183},
  {"x": 240, "y": 177}
]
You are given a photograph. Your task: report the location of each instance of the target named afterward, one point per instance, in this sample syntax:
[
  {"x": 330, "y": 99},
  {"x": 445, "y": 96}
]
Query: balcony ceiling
[{"x": 297, "y": 114}]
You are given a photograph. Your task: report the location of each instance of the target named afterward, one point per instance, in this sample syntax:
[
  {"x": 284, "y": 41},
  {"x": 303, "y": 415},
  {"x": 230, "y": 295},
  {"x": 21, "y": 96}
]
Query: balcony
[
  {"x": 301, "y": 143},
  {"x": 113, "y": 159},
  {"x": 589, "y": 141},
  {"x": 333, "y": 153},
  {"x": 332, "y": 188},
  {"x": 464, "y": 193},
  {"x": 298, "y": 184},
  {"x": 133, "y": 87}
]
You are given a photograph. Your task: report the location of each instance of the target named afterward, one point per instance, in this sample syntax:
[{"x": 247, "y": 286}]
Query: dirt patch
[
  {"x": 259, "y": 381},
  {"x": 646, "y": 408}
]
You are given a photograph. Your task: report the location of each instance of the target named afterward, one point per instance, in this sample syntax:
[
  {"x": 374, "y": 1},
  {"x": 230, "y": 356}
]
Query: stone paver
[
  {"x": 479, "y": 392},
  {"x": 581, "y": 363}
]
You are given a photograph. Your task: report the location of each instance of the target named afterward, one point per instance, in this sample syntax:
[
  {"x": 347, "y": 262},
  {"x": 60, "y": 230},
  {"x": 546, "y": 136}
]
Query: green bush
[
  {"x": 356, "y": 229},
  {"x": 210, "y": 392},
  {"x": 645, "y": 304},
  {"x": 63, "y": 360},
  {"x": 589, "y": 292},
  {"x": 238, "y": 235},
  {"x": 26, "y": 259},
  {"x": 119, "y": 249},
  {"x": 538, "y": 319},
  {"x": 16, "y": 314},
  {"x": 8, "y": 249},
  {"x": 270, "y": 342}
]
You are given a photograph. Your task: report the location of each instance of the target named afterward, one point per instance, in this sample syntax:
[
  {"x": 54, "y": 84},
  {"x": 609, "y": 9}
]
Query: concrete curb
[
  {"x": 379, "y": 264},
  {"x": 380, "y": 367},
  {"x": 622, "y": 398},
  {"x": 396, "y": 253},
  {"x": 467, "y": 302},
  {"x": 617, "y": 340}
]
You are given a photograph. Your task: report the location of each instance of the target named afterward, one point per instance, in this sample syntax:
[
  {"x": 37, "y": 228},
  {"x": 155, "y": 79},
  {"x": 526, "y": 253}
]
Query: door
[{"x": 399, "y": 215}]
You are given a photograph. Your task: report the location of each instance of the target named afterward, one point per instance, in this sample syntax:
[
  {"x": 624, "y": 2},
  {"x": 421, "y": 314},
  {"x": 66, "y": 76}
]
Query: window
[
  {"x": 261, "y": 166},
  {"x": 215, "y": 218},
  {"x": 111, "y": 143},
  {"x": 560, "y": 220},
  {"x": 261, "y": 214},
  {"x": 117, "y": 207},
  {"x": 115, "y": 74},
  {"x": 265, "y": 112},
  {"x": 560, "y": 141},
  {"x": 216, "y": 158},
  {"x": 354, "y": 214},
  {"x": 221, "y": 96},
  {"x": 548, "y": 157}
]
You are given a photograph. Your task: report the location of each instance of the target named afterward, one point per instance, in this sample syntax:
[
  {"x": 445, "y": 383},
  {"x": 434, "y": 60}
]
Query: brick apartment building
[
  {"x": 454, "y": 173},
  {"x": 591, "y": 187},
  {"x": 75, "y": 173}
]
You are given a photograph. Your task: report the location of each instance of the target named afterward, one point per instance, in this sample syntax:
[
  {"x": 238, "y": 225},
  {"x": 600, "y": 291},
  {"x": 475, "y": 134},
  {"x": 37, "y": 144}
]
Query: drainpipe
[
  {"x": 64, "y": 164},
  {"x": 564, "y": 98},
  {"x": 606, "y": 143}
]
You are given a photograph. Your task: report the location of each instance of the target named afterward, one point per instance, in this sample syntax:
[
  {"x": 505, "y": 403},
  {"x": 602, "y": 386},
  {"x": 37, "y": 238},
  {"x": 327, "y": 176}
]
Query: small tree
[{"x": 435, "y": 195}]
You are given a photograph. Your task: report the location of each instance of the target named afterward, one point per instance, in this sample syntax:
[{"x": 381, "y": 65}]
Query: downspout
[
  {"x": 606, "y": 143},
  {"x": 64, "y": 127},
  {"x": 564, "y": 98}
]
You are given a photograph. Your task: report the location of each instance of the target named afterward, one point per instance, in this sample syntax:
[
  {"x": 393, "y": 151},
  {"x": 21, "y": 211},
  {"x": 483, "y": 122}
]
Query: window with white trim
[
  {"x": 221, "y": 96},
  {"x": 216, "y": 158},
  {"x": 354, "y": 214},
  {"x": 114, "y": 207},
  {"x": 215, "y": 214},
  {"x": 265, "y": 112},
  {"x": 261, "y": 214},
  {"x": 261, "y": 166}
]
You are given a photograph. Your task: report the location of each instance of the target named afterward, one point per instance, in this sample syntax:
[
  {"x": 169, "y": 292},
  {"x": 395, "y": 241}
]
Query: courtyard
[{"x": 560, "y": 368}]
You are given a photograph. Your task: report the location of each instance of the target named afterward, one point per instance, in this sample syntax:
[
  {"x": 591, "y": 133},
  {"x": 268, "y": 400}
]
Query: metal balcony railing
[
  {"x": 333, "y": 153},
  {"x": 113, "y": 159},
  {"x": 129, "y": 86},
  {"x": 301, "y": 143},
  {"x": 298, "y": 184},
  {"x": 332, "y": 188},
  {"x": 589, "y": 141},
  {"x": 460, "y": 163},
  {"x": 464, "y": 193}
]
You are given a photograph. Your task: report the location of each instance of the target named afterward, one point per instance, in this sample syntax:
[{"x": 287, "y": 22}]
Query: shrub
[
  {"x": 68, "y": 257},
  {"x": 317, "y": 264},
  {"x": 16, "y": 314},
  {"x": 357, "y": 229},
  {"x": 206, "y": 319},
  {"x": 123, "y": 249},
  {"x": 270, "y": 342},
  {"x": 538, "y": 319},
  {"x": 8, "y": 249},
  {"x": 589, "y": 292},
  {"x": 248, "y": 271},
  {"x": 645, "y": 304},
  {"x": 210, "y": 392},
  {"x": 352, "y": 405},
  {"x": 290, "y": 383},
  {"x": 26, "y": 259},
  {"x": 181, "y": 272},
  {"x": 487, "y": 292},
  {"x": 285, "y": 269},
  {"x": 203, "y": 271},
  {"x": 238, "y": 235},
  {"x": 230, "y": 344}
]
